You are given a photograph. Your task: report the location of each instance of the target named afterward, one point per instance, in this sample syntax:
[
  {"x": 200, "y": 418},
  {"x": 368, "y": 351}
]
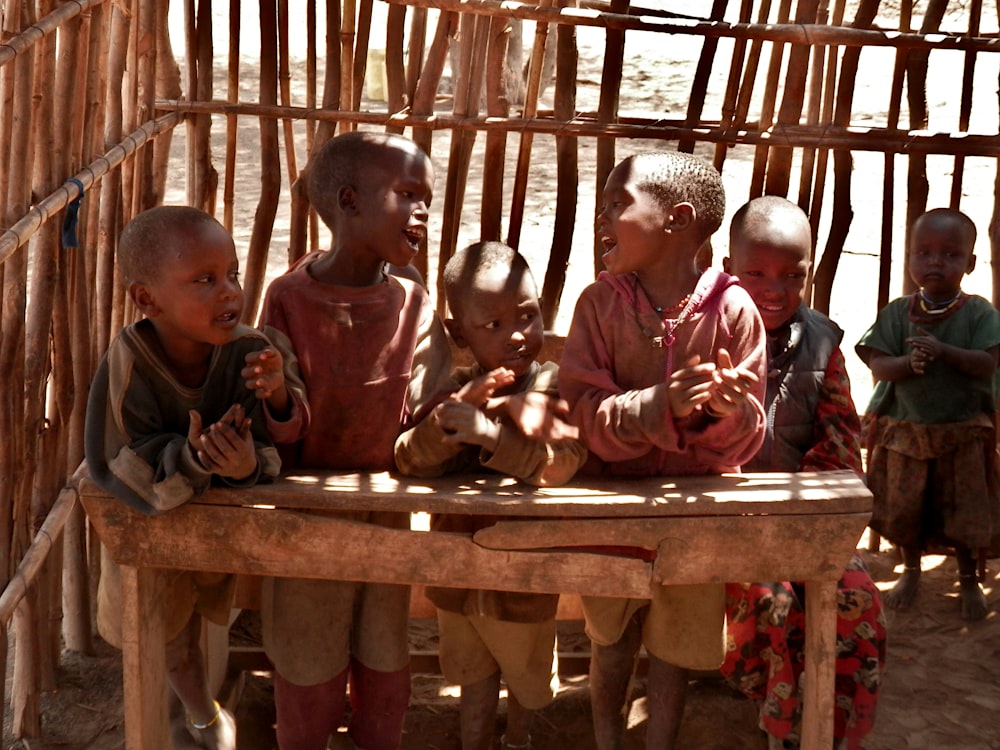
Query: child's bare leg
[
  {"x": 665, "y": 693},
  {"x": 610, "y": 673},
  {"x": 518, "y": 733},
  {"x": 209, "y": 725},
  {"x": 904, "y": 591},
  {"x": 477, "y": 712},
  {"x": 970, "y": 592}
]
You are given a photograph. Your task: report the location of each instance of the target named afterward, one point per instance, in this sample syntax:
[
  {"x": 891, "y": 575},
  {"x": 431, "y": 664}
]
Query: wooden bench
[{"x": 703, "y": 529}]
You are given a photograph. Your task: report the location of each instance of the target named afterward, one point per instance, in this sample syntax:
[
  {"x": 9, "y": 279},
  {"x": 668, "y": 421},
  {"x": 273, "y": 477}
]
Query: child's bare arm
[
  {"x": 976, "y": 363},
  {"x": 225, "y": 448},
  {"x": 891, "y": 368},
  {"x": 264, "y": 375}
]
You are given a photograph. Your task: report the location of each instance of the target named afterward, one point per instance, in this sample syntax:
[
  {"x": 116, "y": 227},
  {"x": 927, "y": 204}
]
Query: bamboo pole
[
  {"x": 965, "y": 106},
  {"x": 285, "y": 89},
  {"x": 205, "y": 179},
  {"x": 814, "y": 103},
  {"x": 994, "y": 225},
  {"x": 395, "y": 65},
  {"x": 168, "y": 84},
  {"x": 474, "y": 29},
  {"x": 917, "y": 186},
  {"x": 699, "y": 84},
  {"x": 814, "y": 34},
  {"x": 232, "y": 121},
  {"x": 360, "y": 55},
  {"x": 418, "y": 37},
  {"x": 21, "y": 42},
  {"x": 110, "y": 310},
  {"x": 270, "y": 166},
  {"x": 766, "y": 117},
  {"x": 843, "y": 213},
  {"x": 607, "y": 111},
  {"x": 728, "y": 117},
  {"x": 535, "y": 66},
  {"x": 348, "y": 23},
  {"x": 568, "y": 176},
  {"x": 430, "y": 78},
  {"x": 822, "y": 153},
  {"x": 793, "y": 95},
  {"x": 874, "y": 139},
  {"x": 494, "y": 156}
]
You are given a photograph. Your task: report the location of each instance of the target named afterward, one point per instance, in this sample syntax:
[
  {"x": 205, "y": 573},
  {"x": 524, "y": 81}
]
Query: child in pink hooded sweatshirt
[{"x": 663, "y": 370}]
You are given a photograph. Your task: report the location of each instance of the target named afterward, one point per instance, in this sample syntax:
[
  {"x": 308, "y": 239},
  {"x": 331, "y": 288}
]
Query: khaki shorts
[
  {"x": 184, "y": 594},
  {"x": 472, "y": 648},
  {"x": 311, "y": 628},
  {"x": 682, "y": 625}
]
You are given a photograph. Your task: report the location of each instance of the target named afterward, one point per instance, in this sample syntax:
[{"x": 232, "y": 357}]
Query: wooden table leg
[
  {"x": 144, "y": 660},
  {"x": 820, "y": 667}
]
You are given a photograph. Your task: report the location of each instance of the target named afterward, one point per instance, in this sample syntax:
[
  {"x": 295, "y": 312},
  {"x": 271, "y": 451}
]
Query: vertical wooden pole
[
  {"x": 568, "y": 175},
  {"x": 607, "y": 111}
]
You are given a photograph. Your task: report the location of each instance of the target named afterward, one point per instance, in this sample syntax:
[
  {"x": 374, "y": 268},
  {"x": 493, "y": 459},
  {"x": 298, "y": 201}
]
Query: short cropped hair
[
  {"x": 148, "y": 237},
  {"x": 673, "y": 177},
  {"x": 965, "y": 225},
  {"x": 344, "y": 161},
  {"x": 468, "y": 264},
  {"x": 762, "y": 208}
]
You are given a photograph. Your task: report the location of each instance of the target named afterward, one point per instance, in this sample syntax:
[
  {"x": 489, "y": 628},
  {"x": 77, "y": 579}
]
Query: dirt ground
[{"x": 941, "y": 689}]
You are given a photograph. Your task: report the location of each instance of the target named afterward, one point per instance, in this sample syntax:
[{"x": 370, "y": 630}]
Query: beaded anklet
[{"x": 210, "y": 722}]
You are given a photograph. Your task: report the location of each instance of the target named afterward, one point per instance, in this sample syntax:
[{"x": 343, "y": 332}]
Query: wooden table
[{"x": 756, "y": 527}]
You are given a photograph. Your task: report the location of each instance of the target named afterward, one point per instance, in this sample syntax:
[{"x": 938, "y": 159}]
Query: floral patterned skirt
[
  {"x": 765, "y": 655},
  {"x": 935, "y": 484}
]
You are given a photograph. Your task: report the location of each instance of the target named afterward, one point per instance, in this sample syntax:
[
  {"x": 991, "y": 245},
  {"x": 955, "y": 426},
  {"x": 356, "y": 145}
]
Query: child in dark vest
[{"x": 812, "y": 425}]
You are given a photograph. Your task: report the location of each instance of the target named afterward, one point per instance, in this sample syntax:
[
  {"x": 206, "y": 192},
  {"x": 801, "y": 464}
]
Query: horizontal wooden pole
[
  {"x": 585, "y": 125},
  {"x": 797, "y": 33}
]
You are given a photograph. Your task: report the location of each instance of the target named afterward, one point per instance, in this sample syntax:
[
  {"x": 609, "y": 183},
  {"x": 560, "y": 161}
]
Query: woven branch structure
[{"x": 524, "y": 108}]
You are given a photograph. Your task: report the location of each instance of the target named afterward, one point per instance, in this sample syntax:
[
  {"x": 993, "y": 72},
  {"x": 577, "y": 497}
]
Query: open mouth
[
  {"x": 228, "y": 318},
  {"x": 609, "y": 243},
  {"x": 414, "y": 236}
]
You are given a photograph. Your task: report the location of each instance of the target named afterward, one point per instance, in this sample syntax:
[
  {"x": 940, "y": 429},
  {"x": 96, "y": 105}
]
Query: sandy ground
[{"x": 941, "y": 686}]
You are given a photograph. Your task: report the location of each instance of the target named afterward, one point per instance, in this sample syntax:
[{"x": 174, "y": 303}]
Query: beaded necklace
[
  {"x": 683, "y": 308},
  {"x": 931, "y": 307}
]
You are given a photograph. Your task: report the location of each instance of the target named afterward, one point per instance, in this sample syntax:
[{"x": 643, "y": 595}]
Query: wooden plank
[
  {"x": 287, "y": 543},
  {"x": 689, "y": 549},
  {"x": 144, "y": 660},
  {"x": 820, "y": 667},
  {"x": 730, "y": 494}
]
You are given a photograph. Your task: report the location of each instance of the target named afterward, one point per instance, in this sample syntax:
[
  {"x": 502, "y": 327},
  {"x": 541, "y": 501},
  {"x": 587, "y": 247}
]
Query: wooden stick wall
[{"x": 112, "y": 96}]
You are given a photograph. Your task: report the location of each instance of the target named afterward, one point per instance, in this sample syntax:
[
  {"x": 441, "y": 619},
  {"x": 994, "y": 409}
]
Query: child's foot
[
  {"x": 904, "y": 591},
  {"x": 221, "y": 735},
  {"x": 973, "y": 599}
]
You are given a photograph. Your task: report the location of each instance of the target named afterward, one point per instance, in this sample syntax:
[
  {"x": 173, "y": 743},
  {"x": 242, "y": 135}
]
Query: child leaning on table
[
  {"x": 371, "y": 350},
  {"x": 663, "y": 371},
  {"x": 932, "y": 463},
  {"x": 485, "y": 634},
  {"x": 812, "y": 425},
  {"x": 182, "y": 399}
]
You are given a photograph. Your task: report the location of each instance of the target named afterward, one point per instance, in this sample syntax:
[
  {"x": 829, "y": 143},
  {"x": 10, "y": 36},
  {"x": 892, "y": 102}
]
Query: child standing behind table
[
  {"x": 371, "y": 350},
  {"x": 483, "y": 634},
  {"x": 812, "y": 425},
  {"x": 932, "y": 466},
  {"x": 663, "y": 370},
  {"x": 183, "y": 399}
]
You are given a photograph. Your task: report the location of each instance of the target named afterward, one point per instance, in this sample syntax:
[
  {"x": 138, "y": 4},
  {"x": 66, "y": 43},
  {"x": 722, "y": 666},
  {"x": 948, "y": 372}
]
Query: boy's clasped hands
[
  {"x": 469, "y": 415},
  {"x": 226, "y": 447},
  {"x": 717, "y": 388}
]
